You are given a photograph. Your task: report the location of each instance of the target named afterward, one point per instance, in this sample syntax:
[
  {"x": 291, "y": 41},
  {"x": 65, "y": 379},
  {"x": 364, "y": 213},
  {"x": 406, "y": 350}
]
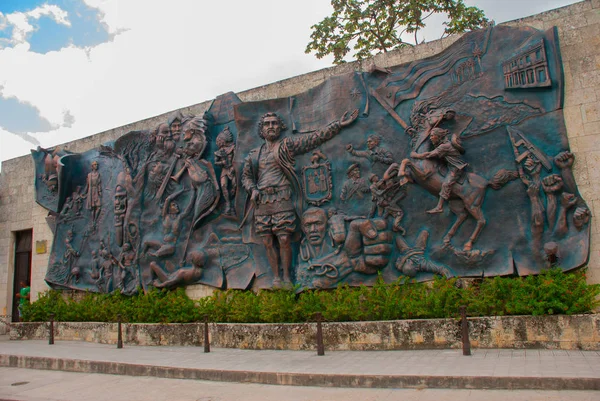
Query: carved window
[{"x": 542, "y": 75}]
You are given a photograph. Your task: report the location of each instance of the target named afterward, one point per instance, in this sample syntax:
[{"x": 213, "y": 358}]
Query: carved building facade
[
  {"x": 528, "y": 69},
  {"x": 438, "y": 162}
]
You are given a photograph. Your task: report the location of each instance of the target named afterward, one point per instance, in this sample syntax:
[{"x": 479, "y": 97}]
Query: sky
[{"x": 74, "y": 68}]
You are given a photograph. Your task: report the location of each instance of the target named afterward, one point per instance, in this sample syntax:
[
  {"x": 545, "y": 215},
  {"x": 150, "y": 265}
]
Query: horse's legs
[
  {"x": 477, "y": 213},
  {"x": 458, "y": 208},
  {"x": 391, "y": 172},
  {"x": 402, "y": 168},
  {"x": 404, "y": 178}
]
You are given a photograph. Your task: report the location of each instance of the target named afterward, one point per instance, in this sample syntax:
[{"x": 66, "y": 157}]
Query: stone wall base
[{"x": 579, "y": 332}]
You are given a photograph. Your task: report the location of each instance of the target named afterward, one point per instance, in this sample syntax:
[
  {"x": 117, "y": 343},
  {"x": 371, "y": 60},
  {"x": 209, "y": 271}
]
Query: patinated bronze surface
[{"x": 455, "y": 165}]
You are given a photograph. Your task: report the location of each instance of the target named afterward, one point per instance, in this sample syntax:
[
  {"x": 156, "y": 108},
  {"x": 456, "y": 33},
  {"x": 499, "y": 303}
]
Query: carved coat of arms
[{"x": 316, "y": 180}]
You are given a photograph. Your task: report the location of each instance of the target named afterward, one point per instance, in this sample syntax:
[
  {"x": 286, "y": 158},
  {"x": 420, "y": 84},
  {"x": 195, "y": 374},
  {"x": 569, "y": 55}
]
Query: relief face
[{"x": 456, "y": 165}]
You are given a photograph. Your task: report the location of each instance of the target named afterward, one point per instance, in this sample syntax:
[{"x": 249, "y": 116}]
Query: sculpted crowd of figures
[{"x": 455, "y": 165}]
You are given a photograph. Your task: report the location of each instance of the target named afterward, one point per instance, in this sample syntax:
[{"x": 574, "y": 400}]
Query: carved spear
[{"x": 166, "y": 179}]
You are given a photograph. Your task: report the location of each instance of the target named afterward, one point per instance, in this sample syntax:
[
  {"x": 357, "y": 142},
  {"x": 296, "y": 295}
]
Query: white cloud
[
  {"x": 169, "y": 57},
  {"x": 109, "y": 12},
  {"x": 21, "y": 27},
  {"x": 20, "y": 21},
  {"x": 55, "y": 12}
]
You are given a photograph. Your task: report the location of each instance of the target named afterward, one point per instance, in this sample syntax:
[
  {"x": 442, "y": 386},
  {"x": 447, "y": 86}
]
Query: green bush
[{"x": 551, "y": 292}]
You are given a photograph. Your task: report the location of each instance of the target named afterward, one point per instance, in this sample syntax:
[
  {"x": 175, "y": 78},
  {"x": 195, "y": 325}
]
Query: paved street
[
  {"x": 38, "y": 385},
  {"x": 445, "y": 362},
  {"x": 78, "y": 371}
]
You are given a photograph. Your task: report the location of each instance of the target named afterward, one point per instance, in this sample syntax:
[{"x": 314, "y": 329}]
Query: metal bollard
[
  {"x": 464, "y": 325},
  {"x": 320, "y": 346},
  {"x": 119, "y": 332},
  {"x": 51, "y": 331},
  {"x": 206, "y": 337}
]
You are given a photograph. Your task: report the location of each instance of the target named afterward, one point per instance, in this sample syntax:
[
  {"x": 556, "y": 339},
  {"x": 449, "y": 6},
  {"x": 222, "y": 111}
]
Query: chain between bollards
[
  {"x": 464, "y": 325},
  {"x": 119, "y": 332},
  {"x": 320, "y": 346},
  {"x": 51, "y": 330},
  {"x": 206, "y": 337}
]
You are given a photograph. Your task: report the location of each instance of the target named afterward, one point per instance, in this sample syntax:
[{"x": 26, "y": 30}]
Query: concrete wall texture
[
  {"x": 579, "y": 34},
  {"x": 542, "y": 332}
]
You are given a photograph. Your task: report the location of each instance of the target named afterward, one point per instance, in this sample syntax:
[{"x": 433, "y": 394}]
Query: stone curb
[{"x": 303, "y": 379}]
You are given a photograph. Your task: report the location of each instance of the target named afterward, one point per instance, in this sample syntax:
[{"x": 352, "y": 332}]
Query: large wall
[{"x": 579, "y": 33}]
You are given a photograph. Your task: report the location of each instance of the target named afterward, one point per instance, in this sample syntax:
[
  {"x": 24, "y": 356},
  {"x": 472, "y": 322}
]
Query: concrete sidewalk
[{"x": 485, "y": 369}]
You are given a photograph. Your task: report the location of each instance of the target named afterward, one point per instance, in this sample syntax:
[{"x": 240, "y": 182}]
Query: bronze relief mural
[{"x": 455, "y": 165}]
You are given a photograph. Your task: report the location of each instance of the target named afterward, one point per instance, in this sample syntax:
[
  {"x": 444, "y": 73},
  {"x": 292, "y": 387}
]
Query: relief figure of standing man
[{"x": 268, "y": 177}]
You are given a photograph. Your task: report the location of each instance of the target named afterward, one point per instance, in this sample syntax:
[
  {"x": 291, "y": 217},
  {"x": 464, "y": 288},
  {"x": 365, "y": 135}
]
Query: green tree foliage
[
  {"x": 552, "y": 292},
  {"x": 376, "y": 26}
]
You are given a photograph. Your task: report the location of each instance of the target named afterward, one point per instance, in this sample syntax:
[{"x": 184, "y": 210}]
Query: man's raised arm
[{"x": 305, "y": 143}]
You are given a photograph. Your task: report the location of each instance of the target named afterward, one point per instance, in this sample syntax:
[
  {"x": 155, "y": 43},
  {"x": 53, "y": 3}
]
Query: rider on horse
[{"x": 450, "y": 150}]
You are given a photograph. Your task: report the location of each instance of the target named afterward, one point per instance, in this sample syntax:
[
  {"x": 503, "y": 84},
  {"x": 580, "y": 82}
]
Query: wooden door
[{"x": 22, "y": 266}]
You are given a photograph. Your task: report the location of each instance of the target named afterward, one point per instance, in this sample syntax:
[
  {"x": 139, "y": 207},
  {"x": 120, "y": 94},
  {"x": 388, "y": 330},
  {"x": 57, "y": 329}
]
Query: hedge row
[{"x": 552, "y": 292}]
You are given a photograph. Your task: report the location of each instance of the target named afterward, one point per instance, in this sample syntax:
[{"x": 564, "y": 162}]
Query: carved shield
[{"x": 317, "y": 183}]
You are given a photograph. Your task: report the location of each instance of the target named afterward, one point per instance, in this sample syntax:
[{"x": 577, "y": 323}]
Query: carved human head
[
  {"x": 197, "y": 258},
  {"x": 133, "y": 231},
  {"x": 270, "y": 126},
  {"x": 224, "y": 138},
  {"x": 173, "y": 208},
  {"x": 551, "y": 248},
  {"x": 353, "y": 171},
  {"x": 194, "y": 135},
  {"x": 195, "y": 146},
  {"x": 411, "y": 131},
  {"x": 120, "y": 192},
  {"x": 94, "y": 165},
  {"x": 437, "y": 135},
  {"x": 551, "y": 252},
  {"x": 175, "y": 127},
  {"x": 174, "y": 122},
  {"x": 126, "y": 247},
  {"x": 373, "y": 178},
  {"x": 449, "y": 115},
  {"x": 407, "y": 266},
  {"x": 93, "y": 254},
  {"x": 332, "y": 212},
  {"x": 373, "y": 141},
  {"x": 193, "y": 126},
  {"x": 156, "y": 169},
  {"x": 314, "y": 225},
  {"x": 163, "y": 131}
]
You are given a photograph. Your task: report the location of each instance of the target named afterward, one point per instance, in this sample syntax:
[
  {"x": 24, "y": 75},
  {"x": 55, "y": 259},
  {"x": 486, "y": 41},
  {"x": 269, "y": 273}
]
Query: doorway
[{"x": 23, "y": 245}]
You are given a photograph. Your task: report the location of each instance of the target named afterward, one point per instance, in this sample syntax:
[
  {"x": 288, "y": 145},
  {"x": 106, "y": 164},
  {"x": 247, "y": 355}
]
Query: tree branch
[{"x": 376, "y": 26}]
